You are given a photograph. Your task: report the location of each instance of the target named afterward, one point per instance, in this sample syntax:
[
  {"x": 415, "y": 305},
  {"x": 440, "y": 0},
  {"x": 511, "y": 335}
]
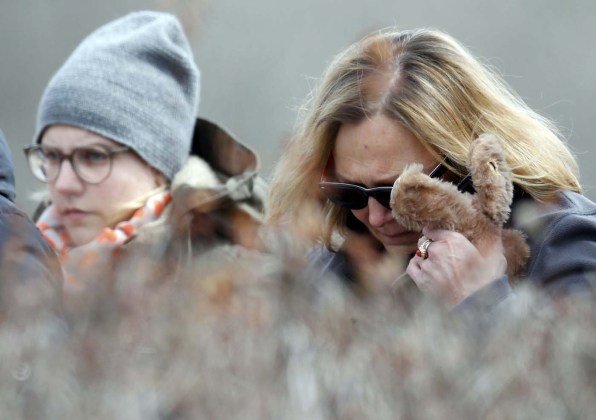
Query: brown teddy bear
[{"x": 418, "y": 200}]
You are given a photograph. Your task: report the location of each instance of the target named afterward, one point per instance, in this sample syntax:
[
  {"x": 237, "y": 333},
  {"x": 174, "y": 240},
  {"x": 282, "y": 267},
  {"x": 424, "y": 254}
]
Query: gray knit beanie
[{"x": 133, "y": 81}]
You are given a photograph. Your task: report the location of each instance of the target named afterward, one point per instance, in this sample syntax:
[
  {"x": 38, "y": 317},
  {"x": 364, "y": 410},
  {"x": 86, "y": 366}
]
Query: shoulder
[
  {"x": 566, "y": 204},
  {"x": 14, "y": 223},
  {"x": 563, "y": 219},
  {"x": 29, "y": 265},
  {"x": 562, "y": 238}
]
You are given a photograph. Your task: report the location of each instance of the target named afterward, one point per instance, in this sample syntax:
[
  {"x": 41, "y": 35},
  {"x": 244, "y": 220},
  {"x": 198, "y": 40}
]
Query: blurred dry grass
[{"x": 242, "y": 334}]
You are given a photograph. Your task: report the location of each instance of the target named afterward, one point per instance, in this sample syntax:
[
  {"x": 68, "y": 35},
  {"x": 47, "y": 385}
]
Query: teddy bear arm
[{"x": 517, "y": 252}]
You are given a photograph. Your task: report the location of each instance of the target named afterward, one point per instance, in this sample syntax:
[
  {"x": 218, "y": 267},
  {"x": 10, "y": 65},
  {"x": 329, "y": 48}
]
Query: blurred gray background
[{"x": 259, "y": 58}]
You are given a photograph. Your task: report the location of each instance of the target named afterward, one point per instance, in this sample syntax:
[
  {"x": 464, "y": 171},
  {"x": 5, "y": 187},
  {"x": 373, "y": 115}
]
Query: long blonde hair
[{"x": 427, "y": 81}]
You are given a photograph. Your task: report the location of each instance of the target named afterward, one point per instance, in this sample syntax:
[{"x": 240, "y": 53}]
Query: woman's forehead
[{"x": 376, "y": 150}]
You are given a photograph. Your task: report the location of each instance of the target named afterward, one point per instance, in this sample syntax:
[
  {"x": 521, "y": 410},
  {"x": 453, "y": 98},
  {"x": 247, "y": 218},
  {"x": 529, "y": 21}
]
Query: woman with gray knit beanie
[{"x": 116, "y": 126}]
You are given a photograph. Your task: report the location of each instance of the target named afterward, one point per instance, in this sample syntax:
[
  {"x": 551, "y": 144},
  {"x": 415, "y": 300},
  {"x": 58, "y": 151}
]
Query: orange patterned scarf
[{"x": 75, "y": 260}]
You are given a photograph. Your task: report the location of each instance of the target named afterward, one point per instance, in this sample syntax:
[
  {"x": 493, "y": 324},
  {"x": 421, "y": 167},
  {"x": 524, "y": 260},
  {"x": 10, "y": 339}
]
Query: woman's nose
[
  {"x": 68, "y": 182},
  {"x": 378, "y": 215}
]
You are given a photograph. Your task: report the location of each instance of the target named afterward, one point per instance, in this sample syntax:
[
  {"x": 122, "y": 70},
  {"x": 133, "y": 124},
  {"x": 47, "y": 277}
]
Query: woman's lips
[{"x": 74, "y": 215}]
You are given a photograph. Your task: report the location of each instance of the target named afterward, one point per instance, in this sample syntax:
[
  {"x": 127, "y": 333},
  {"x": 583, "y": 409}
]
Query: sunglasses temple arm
[
  {"x": 465, "y": 185},
  {"x": 438, "y": 171}
]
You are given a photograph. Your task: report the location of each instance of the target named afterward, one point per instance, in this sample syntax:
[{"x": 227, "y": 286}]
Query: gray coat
[
  {"x": 562, "y": 241},
  {"x": 29, "y": 267}
]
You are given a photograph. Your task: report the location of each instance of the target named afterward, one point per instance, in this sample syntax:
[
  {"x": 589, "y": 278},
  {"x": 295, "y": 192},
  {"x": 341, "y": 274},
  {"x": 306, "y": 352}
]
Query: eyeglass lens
[{"x": 91, "y": 164}]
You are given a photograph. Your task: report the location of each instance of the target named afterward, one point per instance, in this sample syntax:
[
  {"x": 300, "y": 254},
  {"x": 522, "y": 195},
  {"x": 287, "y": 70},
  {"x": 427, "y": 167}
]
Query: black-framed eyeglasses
[
  {"x": 355, "y": 197},
  {"x": 92, "y": 164}
]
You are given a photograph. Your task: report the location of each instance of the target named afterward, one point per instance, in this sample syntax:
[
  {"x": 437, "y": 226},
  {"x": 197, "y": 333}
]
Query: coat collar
[
  {"x": 220, "y": 166},
  {"x": 224, "y": 153}
]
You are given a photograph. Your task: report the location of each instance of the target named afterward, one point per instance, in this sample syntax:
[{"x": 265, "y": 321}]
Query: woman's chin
[
  {"x": 403, "y": 244},
  {"x": 81, "y": 236},
  {"x": 401, "y": 250}
]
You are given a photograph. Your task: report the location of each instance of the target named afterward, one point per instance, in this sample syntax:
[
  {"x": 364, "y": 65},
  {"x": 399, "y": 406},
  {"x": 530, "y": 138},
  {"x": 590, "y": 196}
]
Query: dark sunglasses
[{"x": 355, "y": 197}]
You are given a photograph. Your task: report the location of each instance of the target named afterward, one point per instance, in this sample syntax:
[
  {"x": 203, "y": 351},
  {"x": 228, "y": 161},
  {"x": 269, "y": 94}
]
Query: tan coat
[{"x": 217, "y": 206}]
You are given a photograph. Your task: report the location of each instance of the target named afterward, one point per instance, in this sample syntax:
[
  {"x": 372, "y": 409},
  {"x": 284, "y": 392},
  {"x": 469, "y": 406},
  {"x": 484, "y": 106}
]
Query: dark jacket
[
  {"x": 562, "y": 240},
  {"x": 30, "y": 270}
]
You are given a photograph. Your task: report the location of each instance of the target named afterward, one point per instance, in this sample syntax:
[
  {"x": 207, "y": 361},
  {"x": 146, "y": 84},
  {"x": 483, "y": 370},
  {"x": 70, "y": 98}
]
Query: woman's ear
[{"x": 160, "y": 179}]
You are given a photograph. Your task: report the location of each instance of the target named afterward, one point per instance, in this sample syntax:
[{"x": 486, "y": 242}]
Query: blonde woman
[
  {"x": 395, "y": 98},
  {"x": 115, "y": 128}
]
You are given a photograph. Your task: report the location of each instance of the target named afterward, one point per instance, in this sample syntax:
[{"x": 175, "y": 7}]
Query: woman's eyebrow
[
  {"x": 383, "y": 180},
  {"x": 361, "y": 184},
  {"x": 58, "y": 147},
  {"x": 347, "y": 181}
]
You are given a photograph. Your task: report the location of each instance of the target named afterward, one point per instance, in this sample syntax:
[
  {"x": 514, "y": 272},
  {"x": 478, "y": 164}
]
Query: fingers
[
  {"x": 438, "y": 234},
  {"x": 415, "y": 272},
  {"x": 452, "y": 267}
]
